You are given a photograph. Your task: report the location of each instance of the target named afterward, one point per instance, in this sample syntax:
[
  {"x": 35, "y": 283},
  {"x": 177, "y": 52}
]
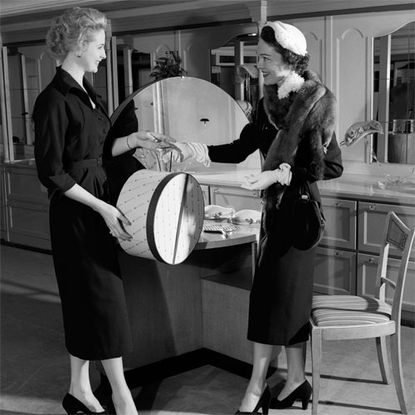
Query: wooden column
[
  {"x": 263, "y": 13},
  {"x": 239, "y": 60},
  {"x": 114, "y": 66},
  {"x": 26, "y": 109},
  {"x": 384, "y": 89},
  {"x": 128, "y": 71},
  {"x": 110, "y": 98},
  {"x": 5, "y": 106}
]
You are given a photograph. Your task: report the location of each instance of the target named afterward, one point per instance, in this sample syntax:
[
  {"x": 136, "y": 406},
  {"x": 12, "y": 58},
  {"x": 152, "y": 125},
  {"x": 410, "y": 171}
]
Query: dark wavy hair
[{"x": 297, "y": 62}]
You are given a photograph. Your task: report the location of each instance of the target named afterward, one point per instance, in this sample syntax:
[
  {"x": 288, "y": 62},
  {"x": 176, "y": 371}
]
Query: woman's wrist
[
  {"x": 98, "y": 205},
  {"x": 128, "y": 142}
]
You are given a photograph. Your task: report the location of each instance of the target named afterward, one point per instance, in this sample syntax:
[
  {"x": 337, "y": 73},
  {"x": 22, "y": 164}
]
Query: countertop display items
[
  {"x": 216, "y": 212},
  {"x": 244, "y": 216},
  {"x": 166, "y": 214}
]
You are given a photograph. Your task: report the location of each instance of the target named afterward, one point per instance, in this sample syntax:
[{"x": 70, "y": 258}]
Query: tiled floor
[{"x": 35, "y": 369}]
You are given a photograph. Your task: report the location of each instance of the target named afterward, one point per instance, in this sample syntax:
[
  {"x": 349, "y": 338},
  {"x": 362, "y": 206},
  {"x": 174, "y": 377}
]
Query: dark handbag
[{"x": 308, "y": 220}]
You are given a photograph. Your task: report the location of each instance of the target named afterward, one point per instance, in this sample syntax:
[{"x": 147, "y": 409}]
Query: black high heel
[
  {"x": 263, "y": 403},
  {"x": 73, "y": 405},
  {"x": 303, "y": 393}
]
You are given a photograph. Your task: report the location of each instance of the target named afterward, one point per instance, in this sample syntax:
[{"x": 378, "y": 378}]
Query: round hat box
[{"x": 166, "y": 214}]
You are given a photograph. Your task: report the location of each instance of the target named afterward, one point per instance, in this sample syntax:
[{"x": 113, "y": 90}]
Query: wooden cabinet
[
  {"x": 371, "y": 222},
  {"x": 27, "y": 206},
  {"x": 341, "y": 220},
  {"x": 235, "y": 197},
  {"x": 354, "y": 231},
  {"x": 349, "y": 250},
  {"x": 366, "y": 281},
  {"x": 335, "y": 271}
]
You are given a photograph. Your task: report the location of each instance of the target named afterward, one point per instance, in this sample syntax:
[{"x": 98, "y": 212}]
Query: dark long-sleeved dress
[
  {"x": 281, "y": 294},
  {"x": 70, "y": 142}
]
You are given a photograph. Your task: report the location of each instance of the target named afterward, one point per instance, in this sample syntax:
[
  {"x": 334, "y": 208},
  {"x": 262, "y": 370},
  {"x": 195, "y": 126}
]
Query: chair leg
[
  {"x": 316, "y": 342},
  {"x": 383, "y": 359},
  {"x": 395, "y": 342}
]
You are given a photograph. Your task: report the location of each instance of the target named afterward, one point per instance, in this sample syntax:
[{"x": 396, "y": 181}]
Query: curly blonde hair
[{"x": 73, "y": 28}]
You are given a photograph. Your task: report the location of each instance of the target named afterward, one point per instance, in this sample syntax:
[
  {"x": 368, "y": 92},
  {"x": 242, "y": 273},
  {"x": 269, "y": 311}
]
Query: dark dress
[
  {"x": 70, "y": 142},
  {"x": 281, "y": 294}
]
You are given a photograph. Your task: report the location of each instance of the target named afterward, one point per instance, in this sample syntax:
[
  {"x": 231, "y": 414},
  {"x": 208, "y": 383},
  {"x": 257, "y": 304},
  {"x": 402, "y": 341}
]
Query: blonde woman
[{"x": 71, "y": 127}]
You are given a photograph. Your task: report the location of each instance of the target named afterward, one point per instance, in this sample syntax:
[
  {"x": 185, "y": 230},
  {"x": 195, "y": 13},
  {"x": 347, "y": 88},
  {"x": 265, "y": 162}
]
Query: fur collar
[
  {"x": 307, "y": 114},
  {"x": 292, "y": 83}
]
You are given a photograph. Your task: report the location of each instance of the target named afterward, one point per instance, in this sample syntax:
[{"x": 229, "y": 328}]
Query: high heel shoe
[
  {"x": 303, "y": 393},
  {"x": 263, "y": 403},
  {"x": 75, "y": 406}
]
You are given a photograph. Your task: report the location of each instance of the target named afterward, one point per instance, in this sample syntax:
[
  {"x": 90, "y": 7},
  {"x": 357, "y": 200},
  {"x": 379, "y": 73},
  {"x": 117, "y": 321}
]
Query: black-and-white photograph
[{"x": 207, "y": 207}]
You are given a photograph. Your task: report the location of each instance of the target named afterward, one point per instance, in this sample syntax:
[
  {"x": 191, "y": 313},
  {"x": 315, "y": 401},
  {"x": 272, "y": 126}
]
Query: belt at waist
[{"x": 85, "y": 163}]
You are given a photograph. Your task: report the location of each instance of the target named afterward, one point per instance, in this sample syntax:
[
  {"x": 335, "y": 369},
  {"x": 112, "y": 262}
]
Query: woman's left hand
[
  {"x": 259, "y": 181},
  {"x": 150, "y": 140}
]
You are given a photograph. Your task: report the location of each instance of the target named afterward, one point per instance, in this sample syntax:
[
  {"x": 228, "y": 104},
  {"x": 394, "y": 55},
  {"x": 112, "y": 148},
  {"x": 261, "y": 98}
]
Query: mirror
[
  {"x": 394, "y": 100},
  {"x": 231, "y": 68},
  {"x": 187, "y": 109}
]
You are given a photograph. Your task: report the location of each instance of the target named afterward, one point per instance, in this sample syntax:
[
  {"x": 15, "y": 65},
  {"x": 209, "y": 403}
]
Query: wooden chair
[{"x": 338, "y": 317}]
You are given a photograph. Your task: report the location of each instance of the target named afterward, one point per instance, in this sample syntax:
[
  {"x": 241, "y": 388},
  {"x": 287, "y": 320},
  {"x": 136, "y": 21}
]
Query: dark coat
[{"x": 280, "y": 300}]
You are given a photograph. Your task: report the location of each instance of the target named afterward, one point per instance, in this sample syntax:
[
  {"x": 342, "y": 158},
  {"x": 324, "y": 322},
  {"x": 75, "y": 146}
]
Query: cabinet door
[
  {"x": 27, "y": 208},
  {"x": 206, "y": 194},
  {"x": 372, "y": 218},
  {"x": 236, "y": 198},
  {"x": 335, "y": 272},
  {"x": 366, "y": 280},
  {"x": 341, "y": 226}
]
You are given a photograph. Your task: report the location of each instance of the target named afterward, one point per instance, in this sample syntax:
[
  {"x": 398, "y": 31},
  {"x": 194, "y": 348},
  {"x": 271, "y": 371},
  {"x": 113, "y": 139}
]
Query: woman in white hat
[{"x": 293, "y": 128}]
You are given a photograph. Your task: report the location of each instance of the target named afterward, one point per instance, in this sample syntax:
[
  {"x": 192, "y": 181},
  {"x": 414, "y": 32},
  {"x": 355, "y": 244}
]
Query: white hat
[{"x": 289, "y": 37}]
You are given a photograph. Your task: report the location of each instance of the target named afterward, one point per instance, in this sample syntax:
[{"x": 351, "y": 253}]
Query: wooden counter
[
  {"x": 201, "y": 303},
  {"x": 354, "y": 186}
]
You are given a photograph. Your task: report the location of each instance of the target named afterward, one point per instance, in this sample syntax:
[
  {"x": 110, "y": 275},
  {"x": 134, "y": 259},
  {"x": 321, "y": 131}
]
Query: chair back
[{"x": 395, "y": 233}]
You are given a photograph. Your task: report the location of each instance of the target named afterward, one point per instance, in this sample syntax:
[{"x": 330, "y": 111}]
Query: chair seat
[{"x": 348, "y": 310}]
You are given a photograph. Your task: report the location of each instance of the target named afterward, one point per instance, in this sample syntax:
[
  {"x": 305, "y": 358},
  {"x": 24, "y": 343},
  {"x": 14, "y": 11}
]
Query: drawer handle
[
  {"x": 337, "y": 253},
  {"x": 338, "y": 204},
  {"x": 372, "y": 207},
  {"x": 372, "y": 260}
]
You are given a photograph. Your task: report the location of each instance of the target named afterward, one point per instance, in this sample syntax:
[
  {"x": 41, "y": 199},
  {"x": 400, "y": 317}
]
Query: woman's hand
[
  {"x": 150, "y": 140},
  {"x": 259, "y": 181},
  {"x": 179, "y": 152},
  {"x": 265, "y": 179},
  {"x": 115, "y": 221}
]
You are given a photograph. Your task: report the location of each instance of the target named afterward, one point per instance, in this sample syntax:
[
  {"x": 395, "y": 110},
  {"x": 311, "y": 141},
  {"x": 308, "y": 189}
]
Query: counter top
[
  {"x": 380, "y": 188},
  {"x": 373, "y": 188},
  {"x": 242, "y": 235}
]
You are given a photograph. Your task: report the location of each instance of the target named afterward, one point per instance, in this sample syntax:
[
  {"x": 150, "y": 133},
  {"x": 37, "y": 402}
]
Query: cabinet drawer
[
  {"x": 23, "y": 185},
  {"x": 236, "y": 198},
  {"x": 28, "y": 224},
  {"x": 341, "y": 224},
  {"x": 366, "y": 277},
  {"x": 335, "y": 272},
  {"x": 372, "y": 218}
]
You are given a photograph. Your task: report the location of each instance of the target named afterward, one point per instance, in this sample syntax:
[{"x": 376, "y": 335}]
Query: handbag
[{"x": 308, "y": 221}]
